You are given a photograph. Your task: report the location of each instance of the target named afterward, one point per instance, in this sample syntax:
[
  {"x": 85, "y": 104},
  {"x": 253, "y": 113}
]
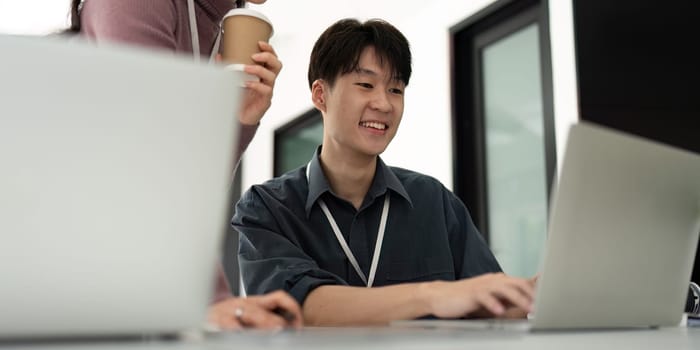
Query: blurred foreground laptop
[
  {"x": 116, "y": 166},
  {"x": 623, "y": 230}
]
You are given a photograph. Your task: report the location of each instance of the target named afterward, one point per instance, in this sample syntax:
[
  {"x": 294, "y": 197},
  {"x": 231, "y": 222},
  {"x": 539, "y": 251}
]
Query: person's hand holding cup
[
  {"x": 245, "y": 48},
  {"x": 243, "y": 28}
]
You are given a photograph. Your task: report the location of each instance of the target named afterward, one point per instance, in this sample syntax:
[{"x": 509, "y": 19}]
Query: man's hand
[
  {"x": 273, "y": 310},
  {"x": 487, "y": 295},
  {"x": 258, "y": 95}
]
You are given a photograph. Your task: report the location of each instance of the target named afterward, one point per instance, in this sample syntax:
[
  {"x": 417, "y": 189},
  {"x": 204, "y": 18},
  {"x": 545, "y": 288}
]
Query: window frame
[
  {"x": 468, "y": 38},
  {"x": 308, "y": 118}
]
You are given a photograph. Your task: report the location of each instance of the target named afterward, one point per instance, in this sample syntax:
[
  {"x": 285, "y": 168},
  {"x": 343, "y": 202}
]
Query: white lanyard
[
  {"x": 344, "y": 244},
  {"x": 194, "y": 35}
]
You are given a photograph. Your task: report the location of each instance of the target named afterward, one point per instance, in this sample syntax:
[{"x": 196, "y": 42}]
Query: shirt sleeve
[
  {"x": 246, "y": 134},
  {"x": 149, "y": 23},
  {"x": 471, "y": 254},
  {"x": 268, "y": 255}
]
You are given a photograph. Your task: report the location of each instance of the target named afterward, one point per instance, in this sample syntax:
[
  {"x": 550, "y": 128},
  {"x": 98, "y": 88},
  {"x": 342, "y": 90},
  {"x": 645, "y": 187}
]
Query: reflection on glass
[{"x": 515, "y": 159}]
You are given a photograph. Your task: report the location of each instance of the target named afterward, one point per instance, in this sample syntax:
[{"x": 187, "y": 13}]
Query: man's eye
[
  {"x": 396, "y": 91},
  {"x": 365, "y": 85}
]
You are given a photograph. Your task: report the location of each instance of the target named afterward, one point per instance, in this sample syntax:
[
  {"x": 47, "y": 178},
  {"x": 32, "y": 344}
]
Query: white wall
[
  {"x": 33, "y": 17},
  {"x": 423, "y": 142},
  {"x": 561, "y": 32},
  {"x": 424, "y": 139}
]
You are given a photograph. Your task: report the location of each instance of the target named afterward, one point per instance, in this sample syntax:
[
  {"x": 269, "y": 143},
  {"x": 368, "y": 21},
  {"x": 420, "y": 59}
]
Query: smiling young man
[{"x": 345, "y": 222}]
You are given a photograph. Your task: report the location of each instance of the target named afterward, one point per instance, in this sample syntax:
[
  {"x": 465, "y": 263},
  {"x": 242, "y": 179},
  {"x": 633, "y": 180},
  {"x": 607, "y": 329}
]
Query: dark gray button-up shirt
[{"x": 287, "y": 242}]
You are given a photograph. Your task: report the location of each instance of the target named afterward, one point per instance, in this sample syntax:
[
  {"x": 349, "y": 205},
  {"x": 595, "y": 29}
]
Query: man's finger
[
  {"x": 283, "y": 304},
  {"x": 255, "y": 316},
  {"x": 491, "y": 303}
]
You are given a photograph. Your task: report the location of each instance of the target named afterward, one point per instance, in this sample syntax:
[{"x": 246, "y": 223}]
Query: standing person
[
  {"x": 192, "y": 27},
  {"x": 345, "y": 222}
]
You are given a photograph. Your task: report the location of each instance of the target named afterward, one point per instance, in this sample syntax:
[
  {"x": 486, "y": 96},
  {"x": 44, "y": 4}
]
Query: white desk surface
[{"x": 400, "y": 338}]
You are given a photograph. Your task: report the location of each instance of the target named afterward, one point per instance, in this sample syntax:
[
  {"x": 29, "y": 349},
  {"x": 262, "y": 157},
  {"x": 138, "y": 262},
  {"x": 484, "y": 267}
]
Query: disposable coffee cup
[{"x": 243, "y": 28}]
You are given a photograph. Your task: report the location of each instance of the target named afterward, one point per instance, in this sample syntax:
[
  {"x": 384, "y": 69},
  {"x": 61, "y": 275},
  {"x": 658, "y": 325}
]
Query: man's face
[{"x": 362, "y": 111}]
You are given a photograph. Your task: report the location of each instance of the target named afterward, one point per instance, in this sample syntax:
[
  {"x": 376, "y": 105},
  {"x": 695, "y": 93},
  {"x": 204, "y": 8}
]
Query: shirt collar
[
  {"x": 318, "y": 184},
  {"x": 384, "y": 179}
]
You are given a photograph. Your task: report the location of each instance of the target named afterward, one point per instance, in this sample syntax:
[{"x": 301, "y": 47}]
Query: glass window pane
[
  {"x": 515, "y": 158},
  {"x": 299, "y": 145}
]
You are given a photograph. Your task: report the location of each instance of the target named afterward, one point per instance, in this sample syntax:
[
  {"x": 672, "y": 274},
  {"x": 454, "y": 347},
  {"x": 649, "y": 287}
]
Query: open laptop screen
[{"x": 115, "y": 170}]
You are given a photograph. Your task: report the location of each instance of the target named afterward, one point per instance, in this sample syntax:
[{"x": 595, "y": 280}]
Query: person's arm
[
  {"x": 271, "y": 258},
  {"x": 257, "y": 98},
  {"x": 258, "y": 94},
  {"x": 472, "y": 255},
  {"x": 246, "y": 134},
  {"x": 222, "y": 289},
  {"x": 153, "y": 24},
  {"x": 269, "y": 254},
  {"x": 489, "y": 294}
]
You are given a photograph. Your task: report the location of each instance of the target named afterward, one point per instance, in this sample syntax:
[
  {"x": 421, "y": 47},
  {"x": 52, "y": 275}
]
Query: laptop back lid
[
  {"x": 623, "y": 231},
  {"x": 116, "y": 164}
]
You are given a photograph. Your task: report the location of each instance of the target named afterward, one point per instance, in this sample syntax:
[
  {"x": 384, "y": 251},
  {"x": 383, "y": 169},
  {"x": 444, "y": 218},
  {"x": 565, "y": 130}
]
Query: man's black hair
[{"x": 337, "y": 51}]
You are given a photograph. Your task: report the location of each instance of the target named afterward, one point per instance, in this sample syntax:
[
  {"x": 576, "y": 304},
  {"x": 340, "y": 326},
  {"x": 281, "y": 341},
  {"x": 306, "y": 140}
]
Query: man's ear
[{"x": 318, "y": 94}]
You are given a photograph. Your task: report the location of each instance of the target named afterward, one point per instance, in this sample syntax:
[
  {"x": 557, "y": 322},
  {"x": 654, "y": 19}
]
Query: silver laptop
[
  {"x": 116, "y": 164},
  {"x": 623, "y": 230}
]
